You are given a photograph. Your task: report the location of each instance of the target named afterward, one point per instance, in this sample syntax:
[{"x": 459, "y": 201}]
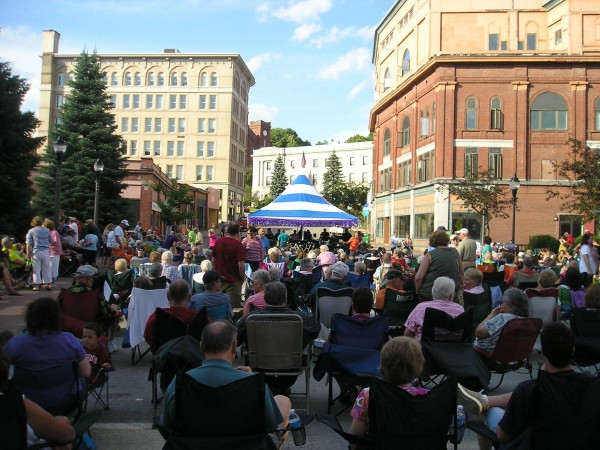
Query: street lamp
[
  {"x": 60, "y": 147},
  {"x": 514, "y": 185},
  {"x": 98, "y": 168}
]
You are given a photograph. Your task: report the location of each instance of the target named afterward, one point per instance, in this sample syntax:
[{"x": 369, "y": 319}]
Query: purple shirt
[{"x": 44, "y": 351}]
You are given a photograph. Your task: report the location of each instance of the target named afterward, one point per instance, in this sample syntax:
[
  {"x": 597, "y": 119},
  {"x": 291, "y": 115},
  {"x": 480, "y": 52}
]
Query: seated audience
[
  {"x": 212, "y": 296},
  {"x": 592, "y": 296},
  {"x": 140, "y": 257},
  {"x": 205, "y": 266},
  {"x": 473, "y": 280},
  {"x": 359, "y": 277},
  {"x": 274, "y": 260},
  {"x": 395, "y": 281},
  {"x": 525, "y": 274},
  {"x": 335, "y": 279},
  {"x": 379, "y": 275},
  {"x": 260, "y": 279},
  {"x": 95, "y": 353},
  {"x": 168, "y": 269},
  {"x": 547, "y": 279}
]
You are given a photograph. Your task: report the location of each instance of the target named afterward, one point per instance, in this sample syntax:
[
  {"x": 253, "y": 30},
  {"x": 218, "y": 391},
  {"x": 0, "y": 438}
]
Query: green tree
[
  {"x": 352, "y": 197},
  {"x": 360, "y": 138},
  {"x": 88, "y": 127},
  {"x": 278, "y": 178},
  {"x": 481, "y": 193},
  {"x": 582, "y": 172},
  {"x": 285, "y": 138},
  {"x": 17, "y": 154},
  {"x": 332, "y": 179},
  {"x": 176, "y": 206}
]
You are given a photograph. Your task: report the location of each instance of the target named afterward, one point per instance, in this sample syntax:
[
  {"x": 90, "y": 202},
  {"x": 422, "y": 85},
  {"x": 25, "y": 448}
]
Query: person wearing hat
[
  {"x": 335, "y": 279},
  {"x": 526, "y": 274},
  {"x": 395, "y": 281},
  {"x": 211, "y": 297},
  {"x": 467, "y": 249},
  {"x": 120, "y": 232},
  {"x": 69, "y": 240}
]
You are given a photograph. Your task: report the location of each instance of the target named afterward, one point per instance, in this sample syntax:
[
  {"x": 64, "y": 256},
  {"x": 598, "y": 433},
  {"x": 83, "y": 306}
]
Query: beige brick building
[
  {"x": 187, "y": 111},
  {"x": 498, "y": 85}
]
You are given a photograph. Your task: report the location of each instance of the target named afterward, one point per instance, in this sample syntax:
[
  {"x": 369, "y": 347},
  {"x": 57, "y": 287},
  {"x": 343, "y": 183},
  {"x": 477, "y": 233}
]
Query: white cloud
[
  {"x": 257, "y": 61},
  {"x": 335, "y": 35},
  {"x": 358, "y": 89},
  {"x": 354, "y": 60},
  {"x": 303, "y": 32},
  {"x": 260, "y": 111},
  {"x": 262, "y": 12},
  {"x": 303, "y": 11}
]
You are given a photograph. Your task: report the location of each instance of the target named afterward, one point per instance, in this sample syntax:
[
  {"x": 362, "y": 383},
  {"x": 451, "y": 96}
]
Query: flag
[{"x": 303, "y": 161}]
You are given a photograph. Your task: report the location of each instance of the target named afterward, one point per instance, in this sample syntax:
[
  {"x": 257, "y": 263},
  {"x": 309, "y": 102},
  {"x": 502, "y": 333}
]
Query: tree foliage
[
  {"x": 17, "y": 153},
  {"x": 88, "y": 127},
  {"x": 176, "y": 206},
  {"x": 332, "y": 179},
  {"x": 360, "y": 138},
  {"x": 285, "y": 138},
  {"x": 351, "y": 197},
  {"x": 582, "y": 172},
  {"x": 481, "y": 193},
  {"x": 278, "y": 178}
]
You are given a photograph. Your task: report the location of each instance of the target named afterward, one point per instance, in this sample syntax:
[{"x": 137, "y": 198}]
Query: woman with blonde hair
[
  {"x": 274, "y": 260},
  {"x": 38, "y": 241}
]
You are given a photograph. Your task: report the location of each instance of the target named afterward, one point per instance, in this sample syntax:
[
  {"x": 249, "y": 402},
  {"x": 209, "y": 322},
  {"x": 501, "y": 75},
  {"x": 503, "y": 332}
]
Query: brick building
[{"x": 464, "y": 86}]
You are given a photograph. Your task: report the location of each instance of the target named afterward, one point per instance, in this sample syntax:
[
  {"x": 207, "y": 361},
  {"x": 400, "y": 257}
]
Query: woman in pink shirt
[
  {"x": 212, "y": 238},
  {"x": 55, "y": 249}
]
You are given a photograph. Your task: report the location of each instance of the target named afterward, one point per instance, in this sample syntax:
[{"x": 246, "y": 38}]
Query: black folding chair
[
  {"x": 585, "y": 324},
  {"x": 397, "y": 306}
]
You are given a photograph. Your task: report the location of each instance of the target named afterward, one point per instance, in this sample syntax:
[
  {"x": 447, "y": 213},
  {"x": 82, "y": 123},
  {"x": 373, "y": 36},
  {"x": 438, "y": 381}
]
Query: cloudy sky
[{"x": 311, "y": 58}]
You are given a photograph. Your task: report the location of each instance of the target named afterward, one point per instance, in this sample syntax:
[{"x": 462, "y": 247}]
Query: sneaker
[
  {"x": 112, "y": 346},
  {"x": 474, "y": 402}
]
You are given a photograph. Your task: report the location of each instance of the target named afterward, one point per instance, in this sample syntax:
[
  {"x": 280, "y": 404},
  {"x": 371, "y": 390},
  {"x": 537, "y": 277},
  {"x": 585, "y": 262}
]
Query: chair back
[
  {"x": 524, "y": 285},
  {"x": 480, "y": 303},
  {"x": 303, "y": 283},
  {"x": 577, "y": 300},
  {"x": 397, "y": 307},
  {"x": 13, "y": 418},
  {"x": 136, "y": 263},
  {"x": 317, "y": 275},
  {"x": 120, "y": 283},
  {"x": 371, "y": 333},
  {"x": 197, "y": 324},
  {"x": 398, "y": 419},
  {"x": 275, "y": 341},
  {"x": 585, "y": 322},
  {"x": 77, "y": 309},
  {"x": 543, "y": 303},
  {"x": 197, "y": 288},
  {"x": 141, "y": 306},
  {"x": 509, "y": 271},
  {"x": 493, "y": 278},
  {"x": 187, "y": 271},
  {"x": 166, "y": 327},
  {"x": 516, "y": 341},
  {"x": 219, "y": 312},
  {"x": 330, "y": 302},
  {"x": 439, "y": 326}
]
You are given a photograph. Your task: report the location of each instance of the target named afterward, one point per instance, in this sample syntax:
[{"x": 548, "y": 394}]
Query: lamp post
[
  {"x": 60, "y": 147},
  {"x": 98, "y": 168},
  {"x": 514, "y": 185}
]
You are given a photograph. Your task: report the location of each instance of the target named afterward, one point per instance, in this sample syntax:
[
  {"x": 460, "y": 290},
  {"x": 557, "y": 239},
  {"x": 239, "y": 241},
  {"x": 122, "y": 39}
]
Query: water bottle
[
  {"x": 298, "y": 431},
  {"x": 460, "y": 416}
]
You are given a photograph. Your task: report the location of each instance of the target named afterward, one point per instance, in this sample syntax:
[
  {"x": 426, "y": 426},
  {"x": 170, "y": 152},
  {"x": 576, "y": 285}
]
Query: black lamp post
[
  {"x": 60, "y": 147},
  {"x": 514, "y": 185},
  {"x": 98, "y": 168}
]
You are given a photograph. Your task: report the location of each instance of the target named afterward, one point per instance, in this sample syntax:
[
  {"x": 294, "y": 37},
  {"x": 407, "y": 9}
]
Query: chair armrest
[
  {"x": 334, "y": 424},
  {"x": 481, "y": 429}
]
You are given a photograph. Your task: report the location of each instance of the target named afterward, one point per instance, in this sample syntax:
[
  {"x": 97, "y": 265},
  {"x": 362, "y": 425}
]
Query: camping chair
[
  {"x": 439, "y": 326},
  {"x": 68, "y": 264},
  {"x": 275, "y": 348},
  {"x": 218, "y": 312},
  {"x": 585, "y": 324},
  {"x": 77, "y": 309},
  {"x": 97, "y": 387},
  {"x": 513, "y": 348},
  {"x": 187, "y": 271},
  {"x": 141, "y": 306},
  {"x": 120, "y": 285},
  {"x": 397, "y": 306},
  {"x": 228, "y": 416},
  {"x": 303, "y": 283},
  {"x": 398, "y": 419},
  {"x": 544, "y": 304},
  {"x": 353, "y": 355},
  {"x": 480, "y": 303},
  {"x": 565, "y": 414},
  {"x": 330, "y": 302}
]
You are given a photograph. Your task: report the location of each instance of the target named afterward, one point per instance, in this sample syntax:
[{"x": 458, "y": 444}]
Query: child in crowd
[{"x": 96, "y": 353}]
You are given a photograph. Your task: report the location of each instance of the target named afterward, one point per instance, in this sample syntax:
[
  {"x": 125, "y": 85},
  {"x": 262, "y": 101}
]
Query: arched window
[
  {"x": 105, "y": 78},
  {"x": 114, "y": 80},
  {"x": 387, "y": 79},
  {"x": 151, "y": 79},
  {"x": 184, "y": 79},
  {"x": 161, "y": 79},
  {"x": 174, "y": 79},
  {"x": 69, "y": 77},
  {"x": 406, "y": 62},
  {"x": 61, "y": 79},
  {"x": 597, "y": 113},
  {"x": 549, "y": 112},
  {"x": 496, "y": 117},
  {"x": 387, "y": 141},
  {"x": 137, "y": 79},
  {"x": 213, "y": 79},
  {"x": 405, "y": 131},
  {"x": 471, "y": 114},
  {"x": 127, "y": 78},
  {"x": 203, "y": 79},
  {"x": 425, "y": 124}
]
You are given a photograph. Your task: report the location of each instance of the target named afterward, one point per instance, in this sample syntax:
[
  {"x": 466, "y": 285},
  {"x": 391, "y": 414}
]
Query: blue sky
[{"x": 311, "y": 58}]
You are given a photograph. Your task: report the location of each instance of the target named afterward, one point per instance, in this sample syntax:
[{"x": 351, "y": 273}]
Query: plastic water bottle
[
  {"x": 298, "y": 432},
  {"x": 460, "y": 416}
]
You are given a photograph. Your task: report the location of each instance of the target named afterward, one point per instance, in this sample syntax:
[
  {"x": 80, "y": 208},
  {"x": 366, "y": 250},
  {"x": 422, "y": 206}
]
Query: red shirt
[
  {"x": 227, "y": 253},
  {"x": 97, "y": 357},
  {"x": 353, "y": 244},
  {"x": 183, "y": 313}
]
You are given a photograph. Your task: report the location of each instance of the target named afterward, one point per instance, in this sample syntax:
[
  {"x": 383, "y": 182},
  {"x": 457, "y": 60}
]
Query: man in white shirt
[
  {"x": 73, "y": 226},
  {"x": 120, "y": 233}
]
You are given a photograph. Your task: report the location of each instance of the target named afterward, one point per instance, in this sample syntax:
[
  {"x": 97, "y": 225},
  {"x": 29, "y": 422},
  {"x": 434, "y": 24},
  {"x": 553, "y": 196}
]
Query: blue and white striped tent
[{"x": 301, "y": 205}]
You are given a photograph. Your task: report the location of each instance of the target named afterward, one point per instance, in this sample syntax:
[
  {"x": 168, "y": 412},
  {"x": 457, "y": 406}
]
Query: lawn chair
[
  {"x": 481, "y": 305},
  {"x": 330, "y": 302},
  {"x": 120, "y": 285},
  {"x": 544, "y": 304},
  {"x": 397, "y": 306},
  {"x": 585, "y": 324},
  {"x": 98, "y": 388},
  {"x": 141, "y": 306},
  {"x": 77, "y": 309},
  {"x": 187, "y": 271},
  {"x": 513, "y": 348}
]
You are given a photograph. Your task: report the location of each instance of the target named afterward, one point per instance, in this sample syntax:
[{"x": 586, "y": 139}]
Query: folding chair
[
  {"x": 585, "y": 324},
  {"x": 397, "y": 306},
  {"x": 439, "y": 326},
  {"x": 120, "y": 285},
  {"x": 141, "y": 306},
  {"x": 330, "y": 302},
  {"x": 480, "y": 303},
  {"x": 303, "y": 283},
  {"x": 67, "y": 265},
  {"x": 544, "y": 304},
  {"x": 77, "y": 309},
  {"x": 275, "y": 348},
  {"x": 97, "y": 387},
  {"x": 513, "y": 348},
  {"x": 228, "y": 416},
  {"x": 187, "y": 271},
  {"x": 399, "y": 420}
]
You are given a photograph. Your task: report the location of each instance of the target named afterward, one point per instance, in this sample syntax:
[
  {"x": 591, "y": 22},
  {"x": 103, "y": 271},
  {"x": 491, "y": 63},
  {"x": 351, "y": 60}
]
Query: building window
[
  {"x": 136, "y": 101},
  {"x": 137, "y": 79},
  {"x": 213, "y": 79},
  {"x": 365, "y": 160},
  {"x": 209, "y": 173},
  {"x": 159, "y": 101},
  {"x": 558, "y": 37},
  {"x": 385, "y": 180},
  {"x": 171, "y": 125},
  {"x": 549, "y": 112},
  {"x": 125, "y": 124},
  {"x": 425, "y": 165},
  {"x": 135, "y": 124},
  {"x": 267, "y": 165},
  {"x": 199, "y": 173},
  {"x": 531, "y": 41},
  {"x": 433, "y": 118},
  {"x": 151, "y": 79},
  {"x": 213, "y": 102},
  {"x": 61, "y": 79},
  {"x": 350, "y": 177},
  {"x": 495, "y": 163},
  {"x": 114, "y": 79},
  {"x": 133, "y": 148},
  {"x": 471, "y": 162},
  {"x": 315, "y": 163},
  {"x": 387, "y": 79},
  {"x": 127, "y": 78},
  {"x": 201, "y": 125},
  {"x": 180, "y": 148},
  {"x": 170, "y": 148},
  {"x": 210, "y": 149},
  {"x": 268, "y": 181},
  {"x": 203, "y": 102},
  {"x": 405, "y": 62},
  {"x": 147, "y": 148},
  {"x": 423, "y": 225},
  {"x": 402, "y": 225},
  {"x": 424, "y": 122},
  {"x": 174, "y": 79},
  {"x": 158, "y": 125},
  {"x": 156, "y": 148},
  {"x": 184, "y": 79},
  {"x": 379, "y": 227},
  {"x": 292, "y": 164},
  {"x": 212, "y": 125},
  {"x": 471, "y": 113},
  {"x": 172, "y": 101},
  {"x": 405, "y": 131},
  {"x": 149, "y": 101},
  {"x": 404, "y": 174},
  {"x": 161, "y": 79},
  {"x": 200, "y": 149},
  {"x": 597, "y": 113},
  {"x": 387, "y": 138},
  {"x": 182, "y": 101},
  {"x": 169, "y": 171},
  {"x": 181, "y": 125},
  {"x": 314, "y": 180},
  {"x": 496, "y": 116},
  {"x": 493, "y": 41},
  {"x": 365, "y": 177},
  {"x": 125, "y": 101},
  {"x": 352, "y": 160},
  {"x": 203, "y": 79},
  {"x": 148, "y": 125},
  {"x": 104, "y": 78}
]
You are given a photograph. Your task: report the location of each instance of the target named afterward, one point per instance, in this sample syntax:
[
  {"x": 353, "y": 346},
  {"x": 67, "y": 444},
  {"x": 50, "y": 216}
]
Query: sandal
[{"x": 36, "y": 288}]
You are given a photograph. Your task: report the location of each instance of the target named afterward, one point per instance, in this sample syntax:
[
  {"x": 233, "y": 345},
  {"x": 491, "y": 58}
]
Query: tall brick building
[{"x": 465, "y": 86}]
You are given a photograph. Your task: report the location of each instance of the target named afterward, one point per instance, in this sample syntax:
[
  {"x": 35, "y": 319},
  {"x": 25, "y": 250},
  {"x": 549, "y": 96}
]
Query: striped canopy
[{"x": 301, "y": 205}]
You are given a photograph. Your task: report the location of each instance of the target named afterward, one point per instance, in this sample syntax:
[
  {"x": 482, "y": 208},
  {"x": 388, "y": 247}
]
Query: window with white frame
[
  {"x": 170, "y": 148},
  {"x": 213, "y": 102},
  {"x": 147, "y": 148},
  {"x": 203, "y": 79},
  {"x": 471, "y": 162},
  {"x": 597, "y": 114},
  {"x": 125, "y": 124},
  {"x": 136, "y": 101},
  {"x": 471, "y": 113},
  {"x": 172, "y": 101},
  {"x": 210, "y": 149},
  {"x": 387, "y": 79},
  {"x": 406, "y": 62},
  {"x": 425, "y": 166},
  {"x": 127, "y": 78},
  {"x": 133, "y": 148},
  {"x": 137, "y": 79},
  {"x": 171, "y": 125},
  {"x": 158, "y": 125},
  {"x": 148, "y": 125},
  {"x": 495, "y": 163},
  {"x": 352, "y": 160},
  {"x": 159, "y": 101},
  {"x": 180, "y": 148},
  {"x": 548, "y": 112},
  {"x": 169, "y": 171},
  {"x": 149, "y": 101},
  {"x": 201, "y": 125},
  {"x": 202, "y": 101},
  {"x": 199, "y": 170},
  {"x": 209, "y": 173},
  {"x": 126, "y": 104},
  {"x": 184, "y": 79},
  {"x": 212, "y": 125},
  {"x": 114, "y": 79},
  {"x": 59, "y": 101},
  {"x": 174, "y": 79},
  {"x": 135, "y": 124},
  {"x": 156, "y": 148},
  {"x": 151, "y": 79},
  {"x": 496, "y": 117},
  {"x": 213, "y": 79},
  {"x": 181, "y": 125},
  {"x": 161, "y": 79},
  {"x": 315, "y": 162},
  {"x": 405, "y": 132},
  {"x": 182, "y": 101},
  {"x": 200, "y": 149},
  {"x": 387, "y": 142}
]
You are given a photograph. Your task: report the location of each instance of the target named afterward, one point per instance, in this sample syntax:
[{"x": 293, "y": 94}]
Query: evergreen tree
[
  {"x": 332, "y": 179},
  {"x": 278, "y": 179},
  {"x": 88, "y": 127},
  {"x": 17, "y": 154}
]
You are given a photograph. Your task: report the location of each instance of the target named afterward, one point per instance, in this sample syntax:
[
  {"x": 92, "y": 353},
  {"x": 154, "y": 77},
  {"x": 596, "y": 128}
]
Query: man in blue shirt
[{"x": 264, "y": 239}]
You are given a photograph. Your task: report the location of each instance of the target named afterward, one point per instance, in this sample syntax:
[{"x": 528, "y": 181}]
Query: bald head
[
  {"x": 179, "y": 292},
  {"x": 218, "y": 337}
]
